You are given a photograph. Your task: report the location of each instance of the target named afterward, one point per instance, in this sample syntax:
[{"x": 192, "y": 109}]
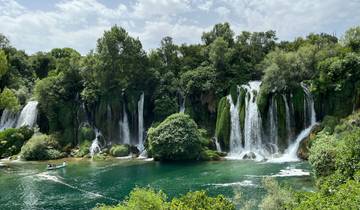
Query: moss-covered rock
[
  {"x": 208, "y": 155},
  {"x": 83, "y": 149},
  {"x": 222, "y": 131},
  {"x": 305, "y": 144},
  {"x": 41, "y": 147},
  {"x": 119, "y": 150}
]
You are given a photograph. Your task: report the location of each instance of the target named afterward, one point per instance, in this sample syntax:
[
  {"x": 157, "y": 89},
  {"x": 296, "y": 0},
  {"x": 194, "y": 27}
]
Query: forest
[{"x": 187, "y": 93}]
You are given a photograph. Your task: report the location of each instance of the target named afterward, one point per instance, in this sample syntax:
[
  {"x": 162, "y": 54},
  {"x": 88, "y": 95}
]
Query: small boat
[{"x": 54, "y": 167}]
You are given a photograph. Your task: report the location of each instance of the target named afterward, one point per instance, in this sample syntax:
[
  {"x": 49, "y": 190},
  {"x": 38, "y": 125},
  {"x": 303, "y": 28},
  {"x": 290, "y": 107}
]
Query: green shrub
[
  {"x": 141, "y": 199},
  {"x": 86, "y": 133},
  {"x": 176, "y": 138},
  {"x": 329, "y": 123},
  {"x": 277, "y": 197},
  {"x": 200, "y": 200},
  {"x": 12, "y": 139},
  {"x": 209, "y": 155},
  {"x": 119, "y": 150},
  {"x": 83, "y": 149},
  {"x": 41, "y": 147},
  {"x": 149, "y": 199}
]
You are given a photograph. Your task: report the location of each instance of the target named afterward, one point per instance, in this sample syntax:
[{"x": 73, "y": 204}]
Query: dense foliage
[
  {"x": 41, "y": 147},
  {"x": 176, "y": 138},
  {"x": 119, "y": 150},
  {"x": 149, "y": 199},
  {"x": 11, "y": 140}
]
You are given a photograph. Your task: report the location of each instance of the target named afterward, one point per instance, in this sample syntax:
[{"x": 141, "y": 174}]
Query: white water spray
[
  {"x": 8, "y": 119},
  {"x": 28, "y": 115},
  {"x": 141, "y": 123},
  {"x": 124, "y": 128},
  {"x": 95, "y": 145},
  {"x": 235, "y": 131}
]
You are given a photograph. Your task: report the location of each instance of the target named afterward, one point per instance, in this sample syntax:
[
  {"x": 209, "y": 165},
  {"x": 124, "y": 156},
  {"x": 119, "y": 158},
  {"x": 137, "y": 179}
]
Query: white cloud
[
  {"x": 205, "y": 6},
  {"x": 79, "y": 23}
]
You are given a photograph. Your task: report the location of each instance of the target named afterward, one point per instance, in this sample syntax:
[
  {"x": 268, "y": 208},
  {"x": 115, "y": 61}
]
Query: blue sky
[{"x": 40, "y": 25}]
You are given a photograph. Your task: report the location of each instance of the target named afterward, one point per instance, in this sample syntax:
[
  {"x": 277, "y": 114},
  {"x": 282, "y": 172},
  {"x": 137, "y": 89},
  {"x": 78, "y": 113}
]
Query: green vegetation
[
  {"x": 119, "y": 150},
  {"x": 176, "y": 138},
  {"x": 41, "y": 147},
  {"x": 149, "y": 199},
  {"x": 11, "y": 140}
]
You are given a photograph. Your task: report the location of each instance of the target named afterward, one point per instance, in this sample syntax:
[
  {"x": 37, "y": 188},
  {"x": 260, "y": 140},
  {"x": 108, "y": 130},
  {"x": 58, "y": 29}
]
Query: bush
[
  {"x": 86, "y": 133},
  {"x": 12, "y": 139},
  {"x": 209, "y": 155},
  {"x": 119, "y": 150},
  {"x": 41, "y": 147},
  {"x": 141, "y": 198},
  {"x": 277, "y": 198},
  {"x": 329, "y": 123},
  {"x": 149, "y": 199},
  {"x": 83, "y": 149},
  {"x": 200, "y": 200},
  {"x": 176, "y": 138}
]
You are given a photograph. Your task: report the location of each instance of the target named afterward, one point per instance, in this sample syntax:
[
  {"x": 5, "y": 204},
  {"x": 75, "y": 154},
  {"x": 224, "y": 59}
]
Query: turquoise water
[{"x": 83, "y": 184}]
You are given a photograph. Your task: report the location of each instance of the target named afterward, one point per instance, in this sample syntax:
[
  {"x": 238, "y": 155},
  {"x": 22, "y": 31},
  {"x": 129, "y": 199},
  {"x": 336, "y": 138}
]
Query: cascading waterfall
[
  {"x": 235, "y": 131},
  {"x": 95, "y": 145},
  {"x": 217, "y": 144},
  {"x": 287, "y": 120},
  {"x": 124, "y": 128},
  {"x": 252, "y": 123},
  {"x": 290, "y": 153},
  {"x": 8, "y": 119},
  {"x": 28, "y": 115},
  {"x": 182, "y": 104},
  {"x": 140, "y": 145},
  {"x": 273, "y": 126}
]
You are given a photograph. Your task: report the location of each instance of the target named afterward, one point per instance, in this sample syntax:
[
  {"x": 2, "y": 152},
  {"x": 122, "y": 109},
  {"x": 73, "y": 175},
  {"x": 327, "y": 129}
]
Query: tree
[
  {"x": 3, "y": 63},
  {"x": 42, "y": 63},
  {"x": 352, "y": 38},
  {"x": 176, "y": 138},
  {"x": 8, "y": 100},
  {"x": 219, "y": 30}
]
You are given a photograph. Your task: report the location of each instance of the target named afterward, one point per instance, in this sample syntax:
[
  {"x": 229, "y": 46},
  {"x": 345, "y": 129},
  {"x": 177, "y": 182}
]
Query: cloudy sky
[{"x": 40, "y": 25}]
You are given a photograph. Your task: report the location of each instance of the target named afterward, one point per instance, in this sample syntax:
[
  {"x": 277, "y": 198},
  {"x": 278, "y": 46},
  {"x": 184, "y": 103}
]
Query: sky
[{"x": 40, "y": 25}]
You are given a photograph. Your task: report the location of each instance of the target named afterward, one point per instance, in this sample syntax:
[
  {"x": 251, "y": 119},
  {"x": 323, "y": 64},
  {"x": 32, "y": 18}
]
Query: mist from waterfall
[
  {"x": 28, "y": 115},
  {"x": 141, "y": 123},
  {"x": 124, "y": 127},
  {"x": 8, "y": 119}
]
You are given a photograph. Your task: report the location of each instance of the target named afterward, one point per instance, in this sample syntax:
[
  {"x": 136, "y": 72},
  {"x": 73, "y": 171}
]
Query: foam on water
[
  {"x": 245, "y": 183},
  {"x": 48, "y": 177},
  {"x": 291, "y": 172}
]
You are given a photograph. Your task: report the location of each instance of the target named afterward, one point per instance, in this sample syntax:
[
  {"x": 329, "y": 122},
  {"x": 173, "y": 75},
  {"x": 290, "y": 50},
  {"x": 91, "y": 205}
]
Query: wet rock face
[
  {"x": 249, "y": 156},
  {"x": 303, "y": 151}
]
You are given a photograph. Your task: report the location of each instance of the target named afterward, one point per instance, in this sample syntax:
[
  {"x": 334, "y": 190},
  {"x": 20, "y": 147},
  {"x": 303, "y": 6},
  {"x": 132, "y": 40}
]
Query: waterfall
[
  {"x": 124, "y": 127},
  {"x": 252, "y": 123},
  {"x": 290, "y": 153},
  {"x": 235, "y": 132},
  {"x": 28, "y": 115},
  {"x": 95, "y": 145},
  {"x": 8, "y": 119},
  {"x": 287, "y": 119},
  {"x": 141, "y": 123},
  {"x": 182, "y": 104},
  {"x": 273, "y": 126},
  {"x": 217, "y": 144}
]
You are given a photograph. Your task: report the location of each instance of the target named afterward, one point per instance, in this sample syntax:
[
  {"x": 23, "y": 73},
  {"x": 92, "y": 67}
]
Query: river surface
[{"x": 84, "y": 183}]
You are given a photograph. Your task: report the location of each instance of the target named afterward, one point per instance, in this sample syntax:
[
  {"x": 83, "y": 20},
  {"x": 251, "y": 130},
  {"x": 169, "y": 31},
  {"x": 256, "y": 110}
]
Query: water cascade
[
  {"x": 124, "y": 128},
  {"x": 182, "y": 104},
  {"x": 28, "y": 115},
  {"x": 273, "y": 127},
  {"x": 95, "y": 145},
  {"x": 252, "y": 123},
  {"x": 235, "y": 131},
  {"x": 217, "y": 144},
  {"x": 290, "y": 153},
  {"x": 8, "y": 119},
  {"x": 287, "y": 120},
  {"x": 141, "y": 123}
]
